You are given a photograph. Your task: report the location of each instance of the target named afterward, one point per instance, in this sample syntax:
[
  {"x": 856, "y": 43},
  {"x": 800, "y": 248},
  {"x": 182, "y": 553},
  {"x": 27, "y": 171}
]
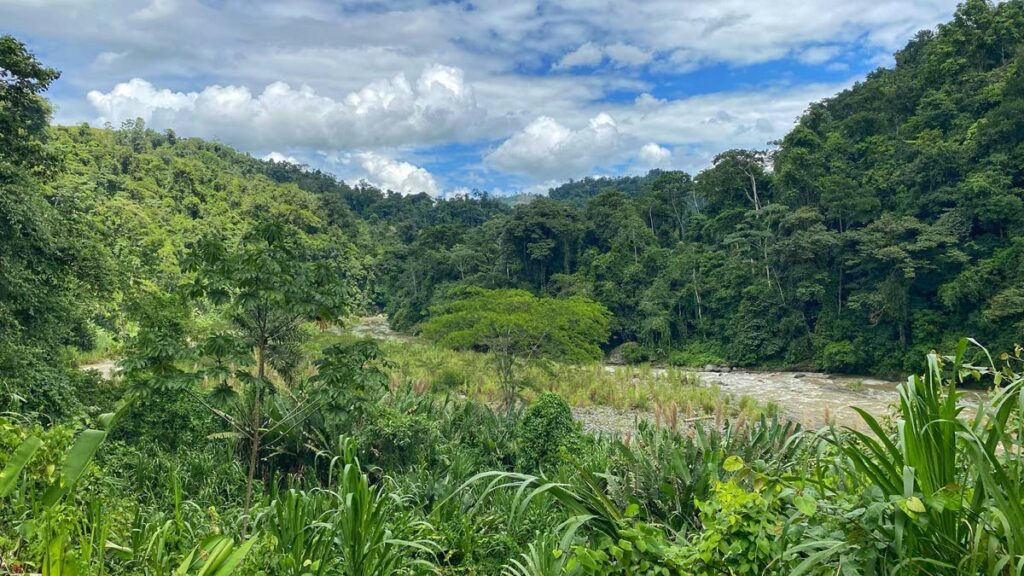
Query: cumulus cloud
[
  {"x": 654, "y": 156},
  {"x": 627, "y": 55},
  {"x": 546, "y": 149},
  {"x": 439, "y": 106},
  {"x": 698, "y": 127},
  {"x": 316, "y": 75},
  {"x": 588, "y": 54},
  {"x": 279, "y": 157},
  {"x": 402, "y": 177}
]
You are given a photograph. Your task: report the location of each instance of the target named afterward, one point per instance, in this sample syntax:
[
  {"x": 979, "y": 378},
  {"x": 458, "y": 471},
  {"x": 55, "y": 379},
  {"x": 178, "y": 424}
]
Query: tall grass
[
  {"x": 643, "y": 388},
  {"x": 954, "y": 484}
]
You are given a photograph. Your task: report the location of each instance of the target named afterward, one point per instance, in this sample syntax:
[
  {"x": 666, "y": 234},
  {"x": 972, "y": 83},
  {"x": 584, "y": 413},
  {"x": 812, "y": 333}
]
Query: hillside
[
  {"x": 579, "y": 192},
  {"x": 886, "y": 224}
]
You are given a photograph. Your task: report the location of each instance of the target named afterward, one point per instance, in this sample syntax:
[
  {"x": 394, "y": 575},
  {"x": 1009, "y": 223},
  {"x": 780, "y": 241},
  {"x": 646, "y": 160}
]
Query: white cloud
[
  {"x": 814, "y": 55},
  {"x": 106, "y": 59},
  {"x": 390, "y": 174},
  {"x": 156, "y": 10},
  {"x": 654, "y": 156},
  {"x": 279, "y": 157},
  {"x": 438, "y": 107},
  {"x": 646, "y": 100},
  {"x": 627, "y": 55},
  {"x": 698, "y": 127},
  {"x": 588, "y": 54},
  {"x": 546, "y": 149}
]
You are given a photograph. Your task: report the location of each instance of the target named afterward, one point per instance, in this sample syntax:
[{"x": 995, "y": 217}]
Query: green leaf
[
  {"x": 805, "y": 504},
  {"x": 733, "y": 463},
  {"x": 21, "y": 457},
  {"x": 75, "y": 462},
  {"x": 949, "y": 497},
  {"x": 236, "y": 558},
  {"x": 914, "y": 504}
]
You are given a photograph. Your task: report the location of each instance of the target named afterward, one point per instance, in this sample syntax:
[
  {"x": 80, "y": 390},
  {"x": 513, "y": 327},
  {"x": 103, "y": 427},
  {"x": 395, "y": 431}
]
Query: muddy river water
[{"x": 811, "y": 398}]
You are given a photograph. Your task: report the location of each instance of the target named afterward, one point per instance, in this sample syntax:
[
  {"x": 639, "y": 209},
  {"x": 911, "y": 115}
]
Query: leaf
[
  {"x": 236, "y": 558},
  {"x": 21, "y": 457},
  {"x": 109, "y": 420},
  {"x": 914, "y": 504},
  {"x": 632, "y": 510},
  {"x": 805, "y": 504},
  {"x": 75, "y": 462},
  {"x": 733, "y": 463},
  {"x": 949, "y": 497}
]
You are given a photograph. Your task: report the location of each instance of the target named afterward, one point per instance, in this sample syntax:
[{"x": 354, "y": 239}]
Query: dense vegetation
[
  {"x": 888, "y": 222},
  {"x": 245, "y": 433}
]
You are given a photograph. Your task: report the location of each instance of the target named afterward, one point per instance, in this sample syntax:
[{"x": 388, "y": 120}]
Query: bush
[
  {"x": 546, "y": 429},
  {"x": 839, "y": 357},
  {"x": 696, "y": 355},
  {"x": 633, "y": 353},
  {"x": 39, "y": 388},
  {"x": 741, "y": 533},
  {"x": 170, "y": 420},
  {"x": 398, "y": 440},
  {"x": 448, "y": 380}
]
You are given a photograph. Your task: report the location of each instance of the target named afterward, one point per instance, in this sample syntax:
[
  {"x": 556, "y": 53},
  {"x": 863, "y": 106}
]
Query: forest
[{"x": 247, "y": 428}]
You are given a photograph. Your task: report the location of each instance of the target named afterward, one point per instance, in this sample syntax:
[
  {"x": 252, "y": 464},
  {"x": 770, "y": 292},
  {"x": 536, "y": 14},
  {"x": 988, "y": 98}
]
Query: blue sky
[{"x": 445, "y": 97}]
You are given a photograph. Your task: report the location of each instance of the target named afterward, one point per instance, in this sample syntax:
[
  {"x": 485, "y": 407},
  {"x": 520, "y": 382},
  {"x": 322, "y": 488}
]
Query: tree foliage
[{"x": 514, "y": 327}]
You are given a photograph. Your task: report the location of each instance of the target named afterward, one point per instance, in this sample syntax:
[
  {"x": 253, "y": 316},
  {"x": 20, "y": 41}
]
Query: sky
[{"x": 506, "y": 96}]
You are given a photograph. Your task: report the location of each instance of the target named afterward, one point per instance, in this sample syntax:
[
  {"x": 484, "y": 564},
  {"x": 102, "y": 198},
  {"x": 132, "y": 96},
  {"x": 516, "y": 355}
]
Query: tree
[
  {"x": 516, "y": 327},
  {"x": 49, "y": 261},
  {"x": 268, "y": 287},
  {"x": 543, "y": 236},
  {"x": 24, "y": 114},
  {"x": 737, "y": 172}
]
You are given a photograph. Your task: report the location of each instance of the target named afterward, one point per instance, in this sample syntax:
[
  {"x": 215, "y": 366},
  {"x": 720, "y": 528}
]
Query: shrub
[
  {"x": 41, "y": 388},
  {"x": 695, "y": 355},
  {"x": 172, "y": 420},
  {"x": 547, "y": 428},
  {"x": 741, "y": 533},
  {"x": 838, "y": 356},
  {"x": 448, "y": 380},
  {"x": 397, "y": 440},
  {"x": 633, "y": 353}
]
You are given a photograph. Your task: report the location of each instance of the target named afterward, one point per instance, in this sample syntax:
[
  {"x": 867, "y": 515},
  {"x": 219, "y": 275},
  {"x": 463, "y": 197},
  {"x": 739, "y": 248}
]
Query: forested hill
[
  {"x": 890, "y": 221},
  {"x": 580, "y": 191}
]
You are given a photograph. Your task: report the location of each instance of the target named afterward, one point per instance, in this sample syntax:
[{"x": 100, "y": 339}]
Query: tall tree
[
  {"x": 268, "y": 286},
  {"x": 48, "y": 260}
]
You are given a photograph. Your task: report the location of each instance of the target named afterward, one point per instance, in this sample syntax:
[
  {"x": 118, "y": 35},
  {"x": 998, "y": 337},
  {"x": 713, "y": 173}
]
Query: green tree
[
  {"x": 50, "y": 265},
  {"x": 516, "y": 328},
  {"x": 269, "y": 287}
]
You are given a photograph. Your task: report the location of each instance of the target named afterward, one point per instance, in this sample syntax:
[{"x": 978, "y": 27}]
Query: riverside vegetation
[{"x": 243, "y": 435}]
